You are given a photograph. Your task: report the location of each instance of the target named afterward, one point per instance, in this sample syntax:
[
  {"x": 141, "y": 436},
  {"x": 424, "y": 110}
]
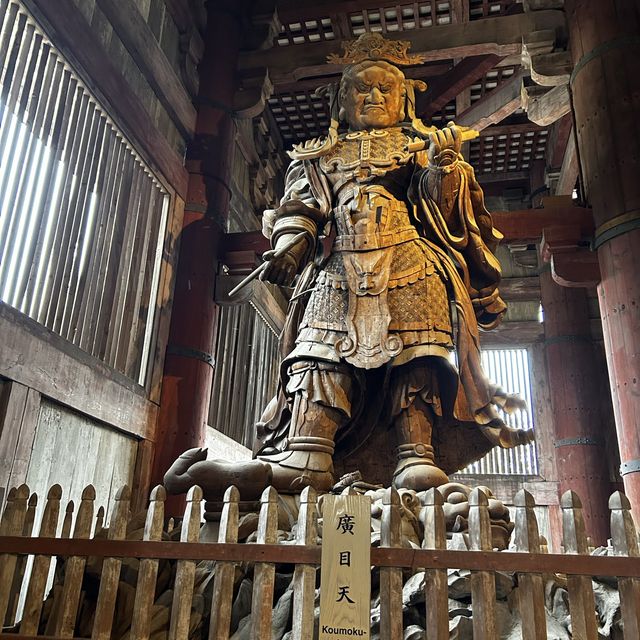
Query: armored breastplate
[{"x": 362, "y": 154}]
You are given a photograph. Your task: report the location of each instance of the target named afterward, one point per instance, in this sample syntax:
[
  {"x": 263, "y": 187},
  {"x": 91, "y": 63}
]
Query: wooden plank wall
[
  {"x": 74, "y": 451},
  {"x": 64, "y": 416}
]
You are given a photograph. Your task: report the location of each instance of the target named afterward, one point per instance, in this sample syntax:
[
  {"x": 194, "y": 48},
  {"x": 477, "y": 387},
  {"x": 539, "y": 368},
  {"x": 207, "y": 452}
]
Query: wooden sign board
[{"x": 345, "y": 572}]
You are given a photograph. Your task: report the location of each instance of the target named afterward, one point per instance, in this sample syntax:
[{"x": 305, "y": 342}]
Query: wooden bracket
[{"x": 573, "y": 263}]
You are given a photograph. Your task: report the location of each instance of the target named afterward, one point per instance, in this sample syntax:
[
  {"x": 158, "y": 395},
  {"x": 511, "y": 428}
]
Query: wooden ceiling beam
[
  {"x": 529, "y": 224},
  {"x": 496, "y": 105},
  {"x": 500, "y": 36},
  {"x": 520, "y": 289},
  {"x": 445, "y": 88},
  {"x": 424, "y": 72}
]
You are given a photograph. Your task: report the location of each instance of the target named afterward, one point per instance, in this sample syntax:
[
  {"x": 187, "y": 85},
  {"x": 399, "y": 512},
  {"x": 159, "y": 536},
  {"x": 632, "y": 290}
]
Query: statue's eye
[
  {"x": 362, "y": 88},
  {"x": 385, "y": 88}
]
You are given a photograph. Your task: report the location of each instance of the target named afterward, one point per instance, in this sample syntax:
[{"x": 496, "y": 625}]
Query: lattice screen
[
  {"x": 82, "y": 219},
  {"x": 509, "y": 368}
]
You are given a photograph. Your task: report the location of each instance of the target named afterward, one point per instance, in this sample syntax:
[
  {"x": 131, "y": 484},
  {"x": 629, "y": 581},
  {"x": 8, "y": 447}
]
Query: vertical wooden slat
[
  {"x": 21, "y": 564},
  {"x": 304, "y": 575},
  {"x": 436, "y": 589},
  {"x": 90, "y": 284},
  {"x": 391, "y": 577},
  {"x": 222, "y": 598},
  {"x": 63, "y": 92},
  {"x": 71, "y": 216},
  {"x": 625, "y": 543},
  {"x": 67, "y": 521},
  {"x": 186, "y": 569},
  {"x": 99, "y": 521},
  {"x": 11, "y": 524},
  {"x": 74, "y": 131},
  {"x": 483, "y": 585},
  {"x": 41, "y": 565},
  {"x": 581, "y": 602},
  {"x": 103, "y": 620},
  {"x": 530, "y": 585},
  {"x": 148, "y": 569},
  {"x": 75, "y": 567},
  {"x": 264, "y": 572}
]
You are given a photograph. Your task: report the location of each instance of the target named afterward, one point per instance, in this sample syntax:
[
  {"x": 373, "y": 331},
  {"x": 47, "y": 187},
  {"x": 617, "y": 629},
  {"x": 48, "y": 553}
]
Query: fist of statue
[
  {"x": 445, "y": 145},
  {"x": 281, "y": 270}
]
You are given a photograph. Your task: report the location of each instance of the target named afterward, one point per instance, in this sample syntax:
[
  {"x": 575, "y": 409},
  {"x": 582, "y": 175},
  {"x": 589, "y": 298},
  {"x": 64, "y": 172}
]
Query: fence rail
[{"x": 104, "y": 562}]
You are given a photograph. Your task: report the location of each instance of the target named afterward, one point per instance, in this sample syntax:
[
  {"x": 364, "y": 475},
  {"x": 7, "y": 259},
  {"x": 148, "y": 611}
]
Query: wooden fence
[{"x": 29, "y": 612}]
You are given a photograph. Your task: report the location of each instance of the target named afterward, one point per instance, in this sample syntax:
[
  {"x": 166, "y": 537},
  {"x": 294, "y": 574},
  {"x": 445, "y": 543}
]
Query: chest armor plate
[{"x": 361, "y": 154}]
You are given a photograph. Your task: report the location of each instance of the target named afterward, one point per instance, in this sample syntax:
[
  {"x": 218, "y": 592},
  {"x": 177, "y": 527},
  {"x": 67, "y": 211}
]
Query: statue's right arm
[{"x": 298, "y": 212}]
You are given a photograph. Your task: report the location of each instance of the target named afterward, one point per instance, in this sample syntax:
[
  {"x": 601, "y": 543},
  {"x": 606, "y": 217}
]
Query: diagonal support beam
[
  {"x": 496, "y": 105},
  {"x": 445, "y": 88}
]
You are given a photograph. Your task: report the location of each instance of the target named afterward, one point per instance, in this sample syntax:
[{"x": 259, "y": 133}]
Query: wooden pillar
[
  {"x": 576, "y": 397},
  {"x": 188, "y": 369},
  {"x": 605, "y": 84}
]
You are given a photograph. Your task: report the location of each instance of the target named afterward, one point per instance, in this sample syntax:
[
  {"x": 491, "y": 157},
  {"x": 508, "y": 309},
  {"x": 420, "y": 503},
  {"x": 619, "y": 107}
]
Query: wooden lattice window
[
  {"x": 82, "y": 219},
  {"x": 509, "y": 368},
  {"x": 246, "y": 373}
]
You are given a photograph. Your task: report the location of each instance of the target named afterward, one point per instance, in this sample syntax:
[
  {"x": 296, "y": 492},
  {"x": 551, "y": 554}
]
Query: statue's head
[
  {"x": 372, "y": 95},
  {"x": 373, "y": 91}
]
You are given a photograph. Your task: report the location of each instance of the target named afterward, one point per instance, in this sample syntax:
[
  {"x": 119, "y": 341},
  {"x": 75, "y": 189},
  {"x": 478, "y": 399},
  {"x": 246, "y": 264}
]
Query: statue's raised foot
[
  {"x": 215, "y": 476},
  {"x": 307, "y": 461}
]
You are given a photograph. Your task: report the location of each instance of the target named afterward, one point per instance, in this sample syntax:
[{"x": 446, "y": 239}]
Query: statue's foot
[
  {"x": 418, "y": 475},
  {"x": 292, "y": 471},
  {"x": 215, "y": 476}
]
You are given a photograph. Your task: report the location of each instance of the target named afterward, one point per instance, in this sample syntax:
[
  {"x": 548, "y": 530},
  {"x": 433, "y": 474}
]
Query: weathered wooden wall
[{"x": 65, "y": 416}]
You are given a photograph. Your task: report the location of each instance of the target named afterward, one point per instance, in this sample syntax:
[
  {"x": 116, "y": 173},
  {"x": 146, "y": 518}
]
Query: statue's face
[{"x": 373, "y": 98}]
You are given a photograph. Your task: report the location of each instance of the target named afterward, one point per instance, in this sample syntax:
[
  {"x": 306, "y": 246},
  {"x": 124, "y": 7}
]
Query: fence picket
[
  {"x": 12, "y": 524},
  {"x": 56, "y": 593},
  {"x": 41, "y": 565},
  {"x": 483, "y": 585},
  {"x": 68, "y": 520},
  {"x": 436, "y": 589},
  {"x": 148, "y": 568},
  {"x": 74, "y": 569},
  {"x": 222, "y": 598},
  {"x": 581, "y": 601},
  {"x": 263, "y": 572},
  {"x": 99, "y": 521},
  {"x": 186, "y": 569},
  {"x": 110, "y": 577},
  {"x": 304, "y": 575},
  {"x": 625, "y": 543},
  {"x": 21, "y": 564},
  {"x": 530, "y": 585},
  {"x": 391, "y": 577}
]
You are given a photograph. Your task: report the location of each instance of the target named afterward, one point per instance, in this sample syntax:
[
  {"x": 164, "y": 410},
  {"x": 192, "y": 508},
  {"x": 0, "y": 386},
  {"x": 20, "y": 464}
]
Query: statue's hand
[
  {"x": 280, "y": 271},
  {"x": 445, "y": 146}
]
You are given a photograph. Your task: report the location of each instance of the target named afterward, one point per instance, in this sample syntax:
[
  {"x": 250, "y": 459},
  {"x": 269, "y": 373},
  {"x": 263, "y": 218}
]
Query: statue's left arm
[{"x": 455, "y": 217}]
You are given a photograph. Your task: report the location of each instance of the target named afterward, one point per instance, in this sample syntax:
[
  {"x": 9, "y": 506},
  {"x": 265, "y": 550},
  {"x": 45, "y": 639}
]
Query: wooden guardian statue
[{"x": 411, "y": 276}]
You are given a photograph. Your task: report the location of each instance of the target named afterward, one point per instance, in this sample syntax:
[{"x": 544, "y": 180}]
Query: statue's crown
[{"x": 372, "y": 46}]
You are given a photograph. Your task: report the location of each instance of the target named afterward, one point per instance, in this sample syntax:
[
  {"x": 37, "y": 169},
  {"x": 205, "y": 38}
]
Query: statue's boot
[
  {"x": 308, "y": 457},
  {"x": 215, "y": 476},
  {"x": 416, "y": 468}
]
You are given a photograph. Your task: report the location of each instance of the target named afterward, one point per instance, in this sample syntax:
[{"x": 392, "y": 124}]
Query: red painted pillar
[
  {"x": 576, "y": 397},
  {"x": 605, "y": 44},
  {"x": 188, "y": 369}
]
